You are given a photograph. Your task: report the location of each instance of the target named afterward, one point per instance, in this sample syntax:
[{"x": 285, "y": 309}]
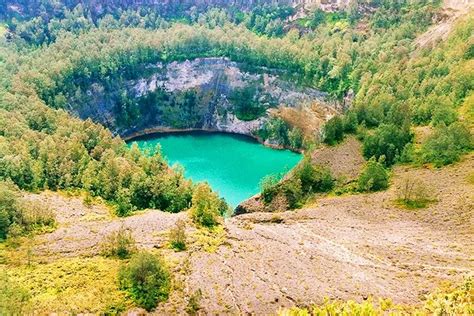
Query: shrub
[
  {"x": 18, "y": 217},
  {"x": 194, "y": 303},
  {"x": 387, "y": 140},
  {"x": 14, "y": 299},
  {"x": 119, "y": 244},
  {"x": 413, "y": 193},
  {"x": 295, "y": 138},
  {"x": 280, "y": 132},
  {"x": 350, "y": 122},
  {"x": 146, "y": 279},
  {"x": 293, "y": 192},
  {"x": 446, "y": 144},
  {"x": 124, "y": 206},
  {"x": 333, "y": 131},
  {"x": 268, "y": 186},
  {"x": 374, "y": 177},
  {"x": 36, "y": 217},
  {"x": 178, "y": 236},
  {"x": 205, "y": 210},
  {"x": 314, "y": 178},
  {"x": 9, "y": 208}
]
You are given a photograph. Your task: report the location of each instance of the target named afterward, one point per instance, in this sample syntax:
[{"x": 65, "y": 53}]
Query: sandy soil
[
  {"x": 345, "y": 247},
  {"x": 452, "y": 10}
]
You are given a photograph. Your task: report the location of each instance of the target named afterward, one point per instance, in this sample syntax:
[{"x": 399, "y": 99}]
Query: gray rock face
[{"x": 204, "y": 93}]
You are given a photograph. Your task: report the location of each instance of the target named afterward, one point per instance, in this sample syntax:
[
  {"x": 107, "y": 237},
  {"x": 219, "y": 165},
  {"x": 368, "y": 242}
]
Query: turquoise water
[{"x": 233, "y": 165}]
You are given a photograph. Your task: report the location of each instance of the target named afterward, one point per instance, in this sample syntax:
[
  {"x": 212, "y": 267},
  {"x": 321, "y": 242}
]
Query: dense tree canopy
[{"x": 42, "y": 146}]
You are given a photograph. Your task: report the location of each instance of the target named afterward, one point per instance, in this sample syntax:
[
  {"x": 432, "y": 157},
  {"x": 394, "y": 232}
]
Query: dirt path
[
  {"x": 452, "y": 10},
  {"x": 346, "y": 247}
]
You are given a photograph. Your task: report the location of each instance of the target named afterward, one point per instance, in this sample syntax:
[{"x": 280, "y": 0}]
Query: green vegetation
[
  {"x": 80, "y": 154},
  {"x": 18, "y": 217},
  {"x": 413, "y": 194},
  {"x": 304, "y": 181},
  {"x": 178, "y": 236},
  {"x": 388, "y": 141},
  {"x": 374, "y": 177},
  {"x": 57, "y": 59},
  {"x": 146, "y": 280},
  {"x": 245, "y": 106},
  {"x": 445, "y": 301},
  {"x": 72, "y": 284},
  {"x": 194, "y": 303},
  {"x": 207, "y": 207},
  {"x": 119, "y": 244},
  {"x": 447, "y": 144},
  {"x": 278, "y": 132}
]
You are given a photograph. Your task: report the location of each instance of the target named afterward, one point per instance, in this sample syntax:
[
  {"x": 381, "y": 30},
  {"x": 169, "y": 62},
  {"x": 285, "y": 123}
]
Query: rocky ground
[
  {"x": 452, "y": 10},
  {"x": 346, "y": 247}
]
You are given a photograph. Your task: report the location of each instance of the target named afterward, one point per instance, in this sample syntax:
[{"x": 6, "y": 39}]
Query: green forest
[{"x": 52, "y": 52}]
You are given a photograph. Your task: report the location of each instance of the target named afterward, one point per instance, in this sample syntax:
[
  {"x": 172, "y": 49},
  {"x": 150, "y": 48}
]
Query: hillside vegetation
[{"x": 403, "y": 104}]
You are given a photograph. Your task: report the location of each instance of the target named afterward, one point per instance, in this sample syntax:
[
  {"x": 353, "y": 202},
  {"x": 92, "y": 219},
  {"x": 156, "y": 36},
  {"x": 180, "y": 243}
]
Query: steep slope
[{"x": 347, "y": 247}]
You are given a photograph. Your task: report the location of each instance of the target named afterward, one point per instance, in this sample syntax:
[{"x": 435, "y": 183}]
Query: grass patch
[
  {"x": 470, "y": 178},
  {"x": 74, "y": 285},
  {"x": 413, "y": 194},
  {"x": 210, "y": 239},
  {"x": 177, "y": 236},
  {"x": 119, "y": 244},
  {"x": 447, "y": 300}
]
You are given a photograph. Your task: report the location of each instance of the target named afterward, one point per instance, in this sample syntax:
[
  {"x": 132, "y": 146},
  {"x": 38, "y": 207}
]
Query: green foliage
[
  {"x": 178, "y": 236},
  {"x": 447, "y": 144},
  {"x": 387, "y": 140},
  {"x": 14, "y": 299},
  {"x": 246, "y": 107},
  {"x": 119, "y": 244},
  {"x": 206, "y": 206},
  {"x": 75, "y": 285},
  {"x": 18, "y": 217},
  {"x": 333, "y": 130},
  {"x": 305, "y": 180},
  {"x": 194, "y": 303},
  {"x": 279, "y": 132},
  {"x": 446, "y": 301},
  {"x": 314, "y": 178},
  {"x": 374, "y": 177},
  {"x": 146, "y": 279},
  {"x": 413, "y": 194},
  {"x": 9, "y": 208}
]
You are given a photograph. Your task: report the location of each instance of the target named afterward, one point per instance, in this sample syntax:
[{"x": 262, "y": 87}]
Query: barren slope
[{"x": 346, "y": 247}]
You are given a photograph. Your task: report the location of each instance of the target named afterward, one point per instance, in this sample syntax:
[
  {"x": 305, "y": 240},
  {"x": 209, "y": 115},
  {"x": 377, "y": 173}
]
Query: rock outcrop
[{"x": 204, "y": 93}]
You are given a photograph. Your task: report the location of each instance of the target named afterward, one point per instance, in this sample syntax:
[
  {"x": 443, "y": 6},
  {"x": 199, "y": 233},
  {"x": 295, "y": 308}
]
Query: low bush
[
  {"x": 280, "y": 132},
  {"x": 292, "y": 193},
  {"x": 314, "y": 178},
  {"x": 9, "y": 208},
  {"x": 146, "y": 279},
  {"x": 14, "y": 299},
  {"x": 206, "y": 206},
  {"x": 333, "y": 130},
  {"x": 447, "y": 144},
  {"x": 177, "y": 237},
  {"x": 374, "y": 177},
  {"x": 194, "y": 303},
  {"x": 387, "y": 140},
  {"x": 18, "y": 217},
  {"x": 119, "y": 244},
  {"x": 413, "y": 193}
]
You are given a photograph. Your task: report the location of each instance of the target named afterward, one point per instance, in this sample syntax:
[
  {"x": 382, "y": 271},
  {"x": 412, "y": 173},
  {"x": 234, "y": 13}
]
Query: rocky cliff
[{"x": 205, "y": 93}]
